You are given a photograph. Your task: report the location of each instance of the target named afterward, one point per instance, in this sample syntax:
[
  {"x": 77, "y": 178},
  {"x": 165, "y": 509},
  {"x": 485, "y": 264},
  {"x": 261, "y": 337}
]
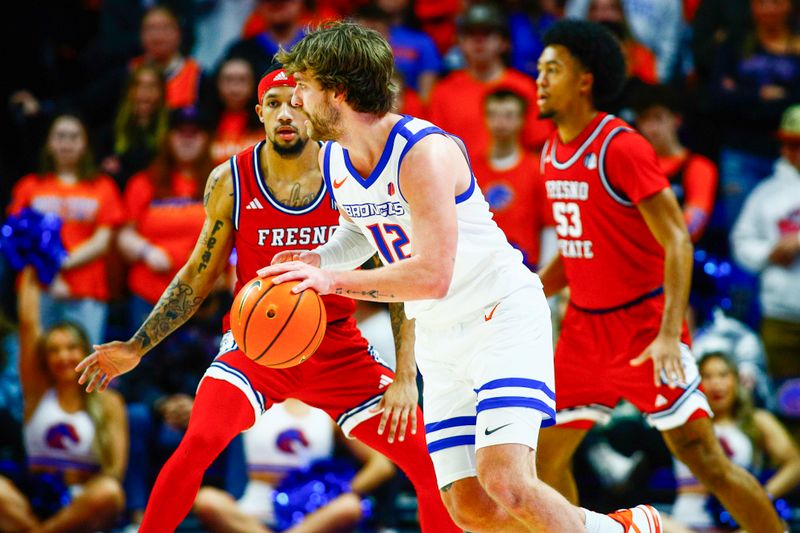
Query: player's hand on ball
[
  {"x": 399, "y": 405},
  {"x": 308, "y": 276},
  {"x": 665, "y": 352},
  {"x": 105, "y": 363},
  {"x": 306, "y": 256}
]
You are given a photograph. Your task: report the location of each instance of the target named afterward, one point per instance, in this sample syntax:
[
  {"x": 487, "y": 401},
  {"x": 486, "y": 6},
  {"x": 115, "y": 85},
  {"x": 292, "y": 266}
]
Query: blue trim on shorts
[
  {"x": 344, "y": 417},
  {"x": 450, "y": 423},
  {"x": 451, "y": 442},
  {"x": 690, "y": 389},
  {"x": 518, "y": 382},
  {"x": 519, "y": 401},
  {"x": 225, "y": 367}
]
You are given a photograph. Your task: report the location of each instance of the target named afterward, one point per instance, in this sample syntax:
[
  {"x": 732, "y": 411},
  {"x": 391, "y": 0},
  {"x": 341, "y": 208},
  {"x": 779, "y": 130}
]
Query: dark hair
[
  {"x": 347, "y": 57},
  {"x": 212, "y": 105},
  {"x": 647, "y": 96},
  {"x": 506, "y": 94},
  {"x": 597, "y": 50},
  {"x": 372, "y": 12},
  {"x": 87, "y": 170}
]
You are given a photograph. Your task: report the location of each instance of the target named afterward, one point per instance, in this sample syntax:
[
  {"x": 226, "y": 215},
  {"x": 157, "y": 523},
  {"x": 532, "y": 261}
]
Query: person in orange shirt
[
  {"x": 161, "y": 42},
  {"x": 509, "y": 177},
  {"x": 456, "y": 103},
  {"x": 235, "y": 125},
  {"x": 693, "y": 177},
  {"x": 165, "y": 210},
  {"x": 89, "y": 206}
]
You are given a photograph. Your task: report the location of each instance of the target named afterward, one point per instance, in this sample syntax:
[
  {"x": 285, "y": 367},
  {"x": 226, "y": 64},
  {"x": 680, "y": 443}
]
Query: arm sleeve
[
  {"x": 346, "y": 249},
  {"x": 632, "y": 167},
  {"x": 751, "y": 246}
]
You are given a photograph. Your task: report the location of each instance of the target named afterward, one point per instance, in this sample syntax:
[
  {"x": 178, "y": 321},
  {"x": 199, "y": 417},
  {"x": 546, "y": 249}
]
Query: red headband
[{"x": 276, "y": 78}]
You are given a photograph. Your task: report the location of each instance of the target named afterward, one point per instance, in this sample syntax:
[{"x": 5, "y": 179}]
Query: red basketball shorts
[
  {"x": 345, "y": 377},
  {"x": 593, "y": 371}
]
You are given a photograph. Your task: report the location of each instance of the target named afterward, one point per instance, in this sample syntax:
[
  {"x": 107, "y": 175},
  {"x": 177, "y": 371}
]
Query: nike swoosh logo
[
  {"x": 337, "y": 184},
  {"x": 488, "y": 431},
  {"x": 488, "y": 317}
]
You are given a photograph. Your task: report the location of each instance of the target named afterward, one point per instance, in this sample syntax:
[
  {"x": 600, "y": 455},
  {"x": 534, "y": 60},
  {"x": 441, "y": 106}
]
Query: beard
[
  {"x": 289, "y": 149},
  {"x": 546, "y": 114},
  {"x": 324, "y": 126}
]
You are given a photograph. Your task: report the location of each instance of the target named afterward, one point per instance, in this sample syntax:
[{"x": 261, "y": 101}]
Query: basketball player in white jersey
[{"x": 483, "y": 334}]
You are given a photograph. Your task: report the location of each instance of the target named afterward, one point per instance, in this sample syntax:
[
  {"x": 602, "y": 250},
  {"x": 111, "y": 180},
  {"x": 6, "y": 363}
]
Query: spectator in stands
[
  {"x": 234, "y": 124},
  {"x": 282, "y": 21},
  {"x": 509, "y": 177},
  {"x": 753, "y": 438},
  {"x": 139, "y": 126},
  {"x": 291, "y": 436},
  {"x": 715, "y": 23},
  {"x": 165, "y": 210},
  {"x": 456, "y": 104},
  {"x": 692, "y": 176},
  {"x": 415, "y": 54},
  {"x": 656, "y": 24},
  {"x": 754, "y": 80},
  {"x": 76, "y": 442},
  {"x": 90, "y": 207},
  {"x": 766, "y": 241},
  {"x": 527, "y": 21},
  {"x": 639, "y": 58},
  {"x": 161, "y": 42}
]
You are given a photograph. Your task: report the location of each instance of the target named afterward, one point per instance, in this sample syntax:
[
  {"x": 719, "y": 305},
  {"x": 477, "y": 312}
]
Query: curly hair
[
  {"x": 347, "y": 57},
  {"x": 597, "y": 50}
]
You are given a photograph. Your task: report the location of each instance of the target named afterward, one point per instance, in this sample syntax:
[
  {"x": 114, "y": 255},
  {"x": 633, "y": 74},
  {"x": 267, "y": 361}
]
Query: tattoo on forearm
[
  {"x": 396, "y": 313},
  {"x": 374, "y": 294},
  {"x": 210, "y": 242},
  {"x": 176, "y": 305}
]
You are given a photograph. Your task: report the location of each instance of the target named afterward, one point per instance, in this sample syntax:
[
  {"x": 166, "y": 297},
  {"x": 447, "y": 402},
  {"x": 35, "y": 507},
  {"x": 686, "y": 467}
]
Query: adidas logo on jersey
[
  {"x": 254, "y": 204},
  {"x": 661, "y": 401},
  {"x": 281, "y": 76},
  {"x": 385, "y": 381}
]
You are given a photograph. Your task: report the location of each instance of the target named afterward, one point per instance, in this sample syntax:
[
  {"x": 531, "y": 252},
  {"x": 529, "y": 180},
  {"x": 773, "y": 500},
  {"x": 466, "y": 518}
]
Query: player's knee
[
  {"x": 470, "y": 507},
  {"x": 105, "y": 496},
  {"x": 207, "y": 504}
]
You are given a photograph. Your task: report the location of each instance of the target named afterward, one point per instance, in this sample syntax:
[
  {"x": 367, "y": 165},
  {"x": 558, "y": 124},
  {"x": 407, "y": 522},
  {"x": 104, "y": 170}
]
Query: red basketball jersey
[
  {"x": 593, "y": 184},
  {"x": 265, "y": 227}
]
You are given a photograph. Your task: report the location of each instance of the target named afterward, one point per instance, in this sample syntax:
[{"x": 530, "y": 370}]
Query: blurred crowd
[{"x": 117, "y": 110}]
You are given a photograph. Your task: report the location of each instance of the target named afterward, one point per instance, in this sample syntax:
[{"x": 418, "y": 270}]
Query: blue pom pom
[
  {"x": 305, "y": 490},
  {"x": 33, "y": 238}
]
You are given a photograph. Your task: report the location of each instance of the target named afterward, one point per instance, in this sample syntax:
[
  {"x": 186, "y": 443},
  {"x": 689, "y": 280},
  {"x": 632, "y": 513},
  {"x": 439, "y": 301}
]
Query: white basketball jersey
[{"x": 487, "y": 267}]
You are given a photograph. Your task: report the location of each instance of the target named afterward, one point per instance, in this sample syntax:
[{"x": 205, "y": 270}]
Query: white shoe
[{"x": 640, "y": 519}]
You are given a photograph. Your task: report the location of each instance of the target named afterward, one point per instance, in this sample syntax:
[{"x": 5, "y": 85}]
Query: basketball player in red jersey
[
  {"x": 268, "y": 198},
  {"x": 626, "y": 255}
]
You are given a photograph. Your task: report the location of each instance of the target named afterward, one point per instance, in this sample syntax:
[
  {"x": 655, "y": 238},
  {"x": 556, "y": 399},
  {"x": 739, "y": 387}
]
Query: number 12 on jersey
[{"x": 398, "y": 237}]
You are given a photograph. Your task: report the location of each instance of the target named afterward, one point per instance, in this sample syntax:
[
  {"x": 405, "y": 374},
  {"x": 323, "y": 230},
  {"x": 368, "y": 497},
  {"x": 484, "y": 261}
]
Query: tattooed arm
[{"x": 182, "y": 297}]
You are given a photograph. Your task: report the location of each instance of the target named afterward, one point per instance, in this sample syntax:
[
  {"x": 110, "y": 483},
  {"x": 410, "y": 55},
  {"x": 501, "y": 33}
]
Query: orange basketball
[{"x": 275, "y": 327}]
